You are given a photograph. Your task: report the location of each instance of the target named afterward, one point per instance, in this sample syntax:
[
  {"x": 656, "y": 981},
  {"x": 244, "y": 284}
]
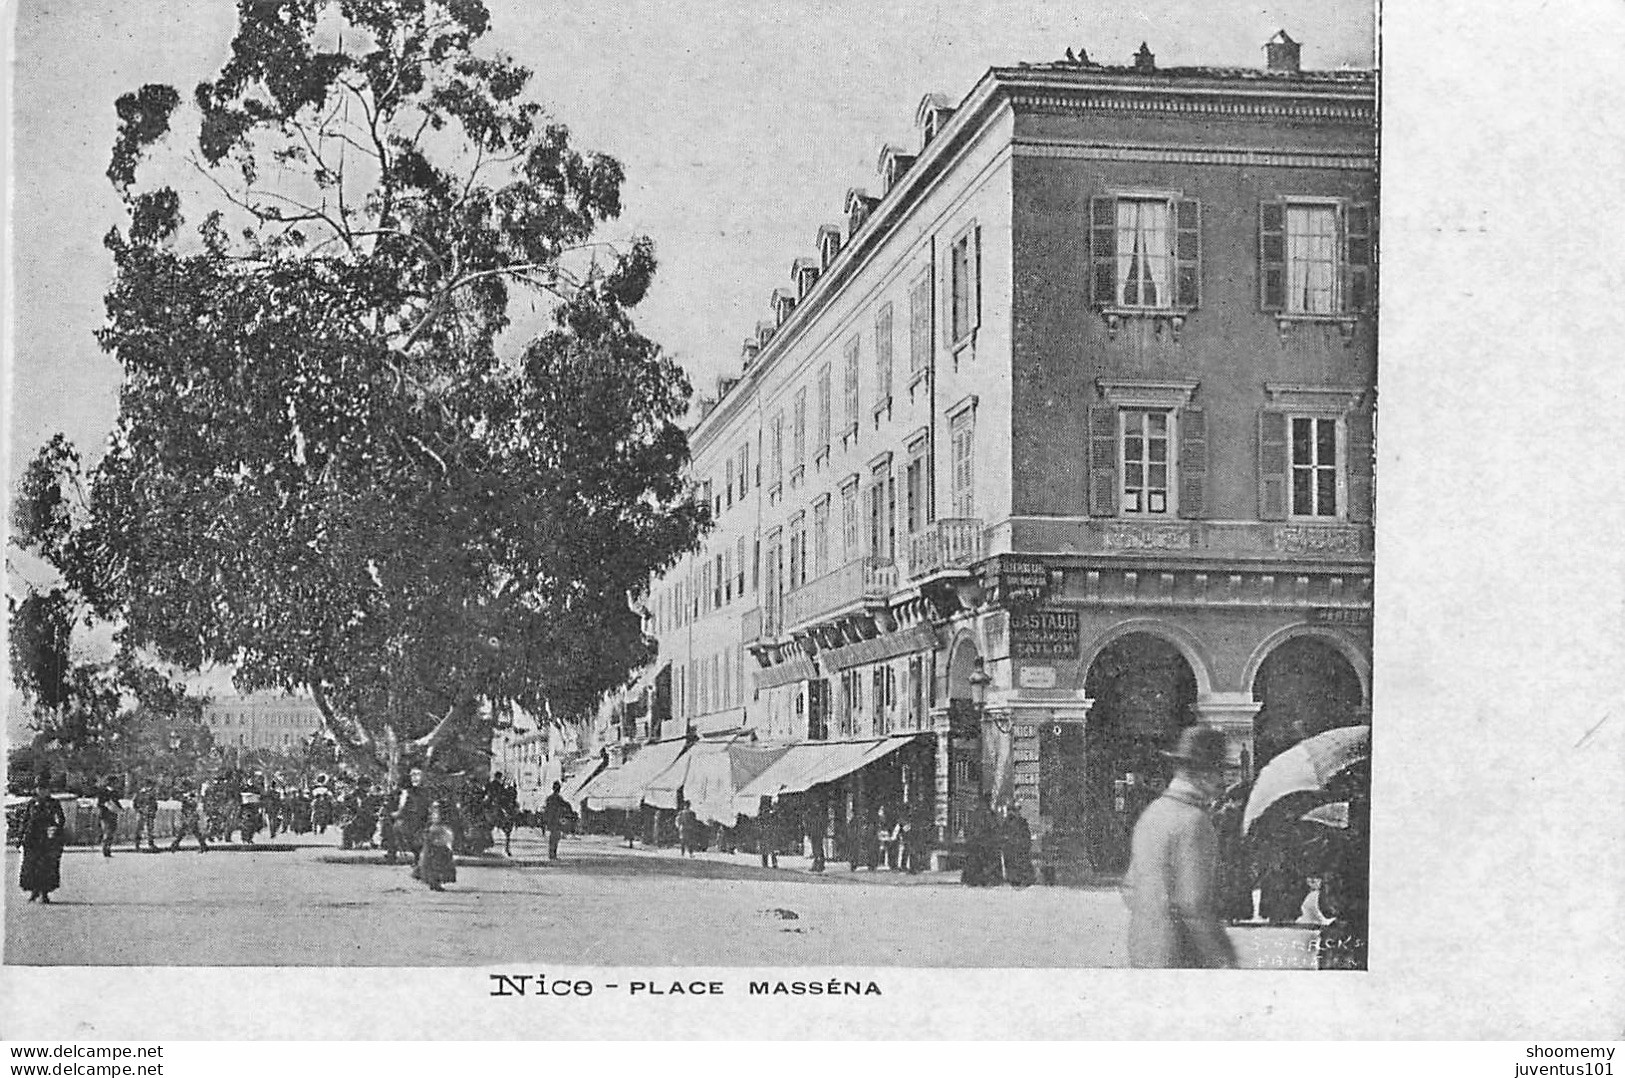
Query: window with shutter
[
  {"x": 1317, "y": 258},
  {"x": 919, "y": 327},
  {"x": 1192, "y": 463},
  {"x": 1361, "y": 466},
  {"x": 1273, "y": 465},
  {"x": 1103, "y": 461},
  {"x": 850, "y": 390},
  {"x": 964, "y": 272},
  {"x": 1316, "y": 467},
  {"x": 821, "y": 445},
  {"x": 1146, "y": 463},
  {"x": 1360, "y": 259},
  {"x": 962, "y": 433},
  {"x": 1145, "y": 253},
  {"x": 883, "y": 356}
]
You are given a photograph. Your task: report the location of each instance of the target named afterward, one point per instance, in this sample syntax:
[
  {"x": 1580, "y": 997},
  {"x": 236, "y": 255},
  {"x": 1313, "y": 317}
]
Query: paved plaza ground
[{"x": 314, "y": 905}]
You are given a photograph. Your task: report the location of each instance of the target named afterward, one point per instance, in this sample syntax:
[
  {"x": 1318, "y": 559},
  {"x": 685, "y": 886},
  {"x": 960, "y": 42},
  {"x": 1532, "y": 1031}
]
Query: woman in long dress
[
  {"x": 437, "y": 865},
  {"x": 43, "y": 827}
]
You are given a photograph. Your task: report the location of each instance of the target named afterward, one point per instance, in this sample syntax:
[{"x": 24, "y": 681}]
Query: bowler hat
[{"x": 1200, "y": 748}]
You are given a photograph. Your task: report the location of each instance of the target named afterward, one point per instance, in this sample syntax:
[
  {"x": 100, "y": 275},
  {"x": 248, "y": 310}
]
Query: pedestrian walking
[
  {"x": 981, "y": 868},
  {"x": 107, "y": 810},
  {"x": 815, "y": 822},
  {"x": 42, "y": 833},
  {"x": 889, "y": 826},
  {"x": 189, "y": 824},
  {"x": 146, "y": 816},
  {"x": 767, "y": 839},
  {"x": 1016, "y": 847},
  {"x": 688, "y": 831},
  {"x": 556, "y": 816},
  {"x": 1172, "y": 884},
  {"x": 437, "y": 865},
  {"x": 410, "y": 817}
]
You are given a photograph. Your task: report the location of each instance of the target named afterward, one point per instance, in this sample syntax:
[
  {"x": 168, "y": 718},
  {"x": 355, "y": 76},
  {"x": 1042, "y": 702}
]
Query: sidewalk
[{"x": 790, "y": 865}]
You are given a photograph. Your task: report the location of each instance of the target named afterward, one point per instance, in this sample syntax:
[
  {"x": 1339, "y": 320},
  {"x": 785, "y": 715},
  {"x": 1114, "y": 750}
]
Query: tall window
[
  {"x": 821, "y": 446},
  {"x": 883, "y": 516},
  {"x": 777, "y": 442},
  {"x": 798, "y": 550},
  {"x": 962, "y": 432},
  {"x": 914, "y": 509},
  {"x": 728, "y": 484},
  {"x": 1145, "y": 252},
  {"x": 1316, "y": 257},
  {"x": 919, "y": 326},
  {"x": 799, "y": 439},
  {"x": 849, "y": 520},
  {"x": 850, "y": 387},
  {"x": 1146, "y": 465},
  {"x": 821, "y": 536},
  {"x": 883, "y": 354},
  {"x": 740, "y": 557},
  {"x": 1314, "y": 466},
  {"x": 964, "y": 272},
  {"x": 744, "y": 470}
]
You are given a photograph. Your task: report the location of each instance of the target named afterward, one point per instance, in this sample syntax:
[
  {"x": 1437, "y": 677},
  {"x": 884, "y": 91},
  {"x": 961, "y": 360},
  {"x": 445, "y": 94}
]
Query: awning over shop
[
  {"x": 622, "y": 787},
  {"x": 804, "y": 766},
  {"x": 577, "y": 784},
  {"x": 715, "y": 778},
  {"x": 661, "y": 791}
]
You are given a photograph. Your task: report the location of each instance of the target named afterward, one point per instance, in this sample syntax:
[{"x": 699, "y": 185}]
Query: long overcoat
[
  {"x": 43, "y": 831},
  {"x": 1171, "y": 887}
]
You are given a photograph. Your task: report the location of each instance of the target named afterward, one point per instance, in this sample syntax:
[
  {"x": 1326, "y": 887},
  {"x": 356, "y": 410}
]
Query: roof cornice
[{"x": 1337, "y": 98}]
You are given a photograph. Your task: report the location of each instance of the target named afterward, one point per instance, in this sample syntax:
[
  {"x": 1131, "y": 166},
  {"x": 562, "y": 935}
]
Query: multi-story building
[
  {"x": 1062, "y": 441},
  {"x": 271, "y": 721}
]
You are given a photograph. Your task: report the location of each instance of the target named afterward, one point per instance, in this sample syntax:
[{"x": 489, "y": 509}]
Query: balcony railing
[
  {"x": 859, "y": 580},
  {"x": 954, "y": 543}
]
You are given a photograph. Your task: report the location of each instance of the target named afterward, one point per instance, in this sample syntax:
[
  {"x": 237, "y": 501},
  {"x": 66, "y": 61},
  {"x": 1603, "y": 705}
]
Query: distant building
[{"x": 272, "y": 721}]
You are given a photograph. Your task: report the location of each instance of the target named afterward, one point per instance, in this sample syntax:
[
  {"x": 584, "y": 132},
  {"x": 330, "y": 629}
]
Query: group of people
[{"x": 998, "y": 847}]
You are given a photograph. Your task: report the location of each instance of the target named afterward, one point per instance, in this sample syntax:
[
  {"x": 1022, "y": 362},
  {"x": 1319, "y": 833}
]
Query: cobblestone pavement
[{"x": 600, "y": 905}]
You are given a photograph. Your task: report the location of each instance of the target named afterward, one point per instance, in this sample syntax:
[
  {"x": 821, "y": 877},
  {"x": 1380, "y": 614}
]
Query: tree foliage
[{"x": 323, "y": 471}]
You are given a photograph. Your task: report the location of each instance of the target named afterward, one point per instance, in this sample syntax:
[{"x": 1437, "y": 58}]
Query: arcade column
[{"x": 1233, "y": 713}]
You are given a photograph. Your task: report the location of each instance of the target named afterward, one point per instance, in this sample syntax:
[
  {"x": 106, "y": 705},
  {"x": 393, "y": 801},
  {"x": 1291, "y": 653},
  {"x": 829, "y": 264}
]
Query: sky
[{"x": 740, "y": 126}]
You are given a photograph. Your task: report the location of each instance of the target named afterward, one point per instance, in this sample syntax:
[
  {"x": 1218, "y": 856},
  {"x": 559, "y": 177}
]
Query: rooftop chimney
[
  {"x": 1144, "y": 60},
  {"x": 1281, "y": 53}
]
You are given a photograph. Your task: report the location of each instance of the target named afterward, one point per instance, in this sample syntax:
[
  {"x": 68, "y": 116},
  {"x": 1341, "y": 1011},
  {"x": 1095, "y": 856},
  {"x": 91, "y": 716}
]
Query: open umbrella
[
  {"x": 1308, "y": 765},
  {"x": 1335, "y": 814}
]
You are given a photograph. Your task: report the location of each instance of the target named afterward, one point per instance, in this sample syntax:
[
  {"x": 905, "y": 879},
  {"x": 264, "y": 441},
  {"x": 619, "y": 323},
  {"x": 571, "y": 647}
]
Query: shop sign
[
  {"x": 1340, "y": 615},
  {"x": 1026, "y": 730},
  {"x": 1025, "y": 768},
  {"x": 1017, "y": 582},
  {"x": 1036, "y": 677},
  {"x": 1045, "y": 634},
  {"x": 1026, "y": 754}
]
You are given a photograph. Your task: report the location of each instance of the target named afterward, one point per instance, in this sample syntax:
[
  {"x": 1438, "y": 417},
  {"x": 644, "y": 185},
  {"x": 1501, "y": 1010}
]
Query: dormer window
[
  {"x": 933, "y": 113},
  {"x": 784, "y": 304},
  {"x": 859, "y": 205},
  {"x": 804, "y": 272},
  {"x": 829, "y": 244},
  {"x": 748, "y": 353},
  {"x": 764, "y": 333},
  {"x": 893, "y": 163}
]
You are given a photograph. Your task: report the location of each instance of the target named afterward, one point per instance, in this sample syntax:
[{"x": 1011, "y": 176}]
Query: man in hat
[
  {"x": 556, "y": 816},
  {"x": 107, "y": 810},
  {"x": 1171, "y": 887}
]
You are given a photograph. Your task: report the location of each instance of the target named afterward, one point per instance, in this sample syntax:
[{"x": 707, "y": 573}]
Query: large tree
[{"x": 326, "y": 472}]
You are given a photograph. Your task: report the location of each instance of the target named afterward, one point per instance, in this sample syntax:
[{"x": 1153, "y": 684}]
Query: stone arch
[
  {"x": 962, "y": 656},
  {"x": 1325, "y": 633},
  {"x": 1188, "y": 645}
]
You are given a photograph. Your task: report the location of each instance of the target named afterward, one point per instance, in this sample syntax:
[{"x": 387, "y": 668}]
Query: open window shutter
[
  {"x": 1192, "y": 463},
  {"x": 1360, "y": 465},
  {"x": 1103, "y": 461},
  {"x": 976, "y": 279},
  {"x": 1188, "y": 254},
  {"x": 1359, "y": 259},
  {"x": 1103, "y": 251},
  {"x": 1272, "y": 465},
  {"x": 1272, "y": 255}
]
